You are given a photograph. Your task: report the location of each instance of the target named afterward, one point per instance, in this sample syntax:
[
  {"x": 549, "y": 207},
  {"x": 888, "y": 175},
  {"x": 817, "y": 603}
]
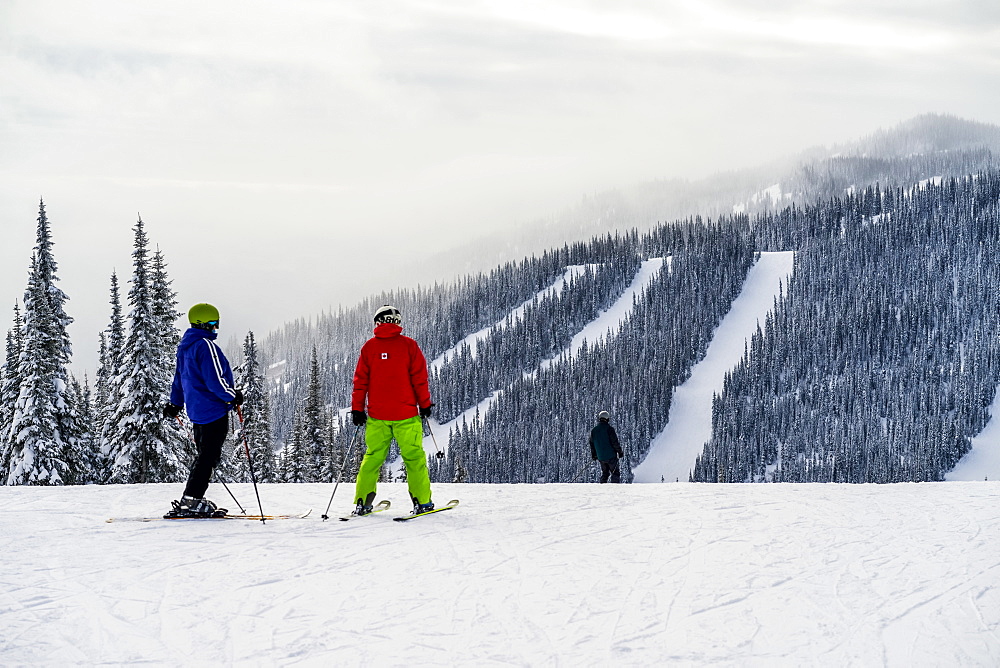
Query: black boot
[{"x": 191, "y": 507}]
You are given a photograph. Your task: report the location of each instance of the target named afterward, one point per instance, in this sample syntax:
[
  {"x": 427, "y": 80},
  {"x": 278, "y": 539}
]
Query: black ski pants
[
  {"x": 610, "y": 469},
  {"x": 209, "y": 439}
]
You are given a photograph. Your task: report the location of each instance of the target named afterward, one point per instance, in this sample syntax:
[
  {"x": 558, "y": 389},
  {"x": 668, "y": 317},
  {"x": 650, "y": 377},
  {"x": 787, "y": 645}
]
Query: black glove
[
  {"x": 358, "y": 418},
  {"x": 426, "y": 412},
  {"x": 238, "y": 400},
  {"x": 171, "y": 410}
]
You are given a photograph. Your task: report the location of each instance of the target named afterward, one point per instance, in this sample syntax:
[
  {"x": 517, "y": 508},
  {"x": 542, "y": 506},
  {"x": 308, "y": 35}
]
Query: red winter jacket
[{"x": 392, "y": 372}]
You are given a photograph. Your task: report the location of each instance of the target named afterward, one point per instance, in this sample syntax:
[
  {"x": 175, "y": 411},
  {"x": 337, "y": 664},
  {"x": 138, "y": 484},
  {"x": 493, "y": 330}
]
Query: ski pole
[
  {"x": 440, "y": 452},
  {"x": 350, "y": 449},
  {"x": 191, "y": 436},
  {"x": 579, "y": 473},
  {"x": 253, "y": 476}
]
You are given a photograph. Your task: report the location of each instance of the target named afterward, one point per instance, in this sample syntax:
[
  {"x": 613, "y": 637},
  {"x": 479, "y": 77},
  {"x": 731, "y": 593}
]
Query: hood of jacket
[
  {"x": 385, "y": 330},
  {"x": 193, "y": 335}
]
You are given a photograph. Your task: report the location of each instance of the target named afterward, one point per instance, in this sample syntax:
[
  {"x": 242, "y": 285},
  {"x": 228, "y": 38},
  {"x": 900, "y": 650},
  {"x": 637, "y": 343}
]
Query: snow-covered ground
[
  {"x": 526, "y": 575},
  {"x": 672, "y": 454}
]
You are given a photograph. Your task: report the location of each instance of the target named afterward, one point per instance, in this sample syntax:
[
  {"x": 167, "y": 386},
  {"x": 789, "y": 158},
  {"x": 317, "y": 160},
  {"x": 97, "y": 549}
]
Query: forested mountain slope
[{"x": 878, "y": 363}]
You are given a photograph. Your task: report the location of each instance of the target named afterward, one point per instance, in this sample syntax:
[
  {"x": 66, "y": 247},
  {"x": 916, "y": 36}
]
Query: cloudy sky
[{"x": 292, "y": 156}]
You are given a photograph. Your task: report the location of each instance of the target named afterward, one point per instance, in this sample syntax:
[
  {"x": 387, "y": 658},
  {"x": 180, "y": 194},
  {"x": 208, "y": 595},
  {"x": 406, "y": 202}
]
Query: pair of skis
[
  {"x": 212, "y": 517},
  {"x": 382, "y": 505}
]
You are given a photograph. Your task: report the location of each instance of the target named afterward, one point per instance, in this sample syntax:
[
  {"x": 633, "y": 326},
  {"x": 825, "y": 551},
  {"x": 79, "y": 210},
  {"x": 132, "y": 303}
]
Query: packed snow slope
[
  {"x": 982, "y": 462},
  {"x": 673, "y": 451},
  {"x": 553, "y": 575}
]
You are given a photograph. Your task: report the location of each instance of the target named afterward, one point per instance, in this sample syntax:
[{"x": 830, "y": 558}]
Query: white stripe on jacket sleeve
[{"x": 213, "y": 351}]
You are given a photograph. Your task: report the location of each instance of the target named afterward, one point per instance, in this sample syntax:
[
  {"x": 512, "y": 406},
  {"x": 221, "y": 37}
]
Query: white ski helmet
[
  {"x": 389, "y": 314},
  {"x": 604, "y": 415}
]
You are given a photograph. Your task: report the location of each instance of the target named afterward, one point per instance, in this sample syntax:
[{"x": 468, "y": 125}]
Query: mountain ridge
[{"x": 814, "y": 172}]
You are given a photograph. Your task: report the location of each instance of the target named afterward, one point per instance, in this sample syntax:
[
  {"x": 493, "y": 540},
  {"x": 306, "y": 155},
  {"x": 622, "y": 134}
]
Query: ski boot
[
  {"x": 419, "y": 508},
  {"x": 195, "y": 508},
  {"x": 362, "y": 509}
]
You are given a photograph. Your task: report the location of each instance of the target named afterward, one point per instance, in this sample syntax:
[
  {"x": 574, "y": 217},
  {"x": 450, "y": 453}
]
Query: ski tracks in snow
[{"x": 560, "y": 575}]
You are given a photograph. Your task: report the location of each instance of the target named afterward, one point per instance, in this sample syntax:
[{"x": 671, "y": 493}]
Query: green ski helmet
[{"x": 203, "y": 316}]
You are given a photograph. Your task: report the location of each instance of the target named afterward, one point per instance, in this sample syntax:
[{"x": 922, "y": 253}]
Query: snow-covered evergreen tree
[
  {"x": 85, "y": 464},
  {"x": 306, "y": 454},
  {"x": 165, "y": 315},
  {"x": 46, "y": 433},
  {"x": 293, "y": 456},
  {"x": 56, "y": 298},
  {"x": 102, "y": 382},
  {"x": 36, "y": 451},
  {"x": 134, "y": 439},
  {"x": 10, "y": 387},
  {"x": 344, "y": 449},
  {"x": 256, "y": 419},
  {"x": 116, "y": 329},
  {"x": 112, "y": 345},
  {"x": 165, "y": 311},
  {"x": 333, "y": 455},
  {"x": 315, "y": 433},
  {"x": 112, "y": 342}
]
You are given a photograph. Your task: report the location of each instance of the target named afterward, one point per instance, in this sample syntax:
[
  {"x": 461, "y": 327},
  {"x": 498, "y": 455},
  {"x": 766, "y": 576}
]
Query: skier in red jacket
[{"x": 392, "y": 375}]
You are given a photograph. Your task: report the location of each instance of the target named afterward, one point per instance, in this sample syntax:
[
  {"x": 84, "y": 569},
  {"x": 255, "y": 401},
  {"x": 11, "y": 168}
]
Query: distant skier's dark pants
[
  {"x": 612, "y": 469},
  {"x": 209, "y": 438}
]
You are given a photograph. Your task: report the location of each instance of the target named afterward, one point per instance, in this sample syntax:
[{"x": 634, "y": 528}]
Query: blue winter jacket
[{"x": 203, "y": 381}]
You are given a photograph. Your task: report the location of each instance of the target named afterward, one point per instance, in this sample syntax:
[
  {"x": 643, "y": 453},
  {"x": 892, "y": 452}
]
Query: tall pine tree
[
  {"x": 256, "y": 419},
  {"x": 85, "y": 461},
  {"x": 46, "y": 434},
  {"x": 10, "y": 387},
  {"x": 112, "y": 345},
  {"x": 134, "y": 439},
  {"x": 165, "y": 314},
  {"x": 315, "y": 430},
  {"x": 36, "y": 451}
]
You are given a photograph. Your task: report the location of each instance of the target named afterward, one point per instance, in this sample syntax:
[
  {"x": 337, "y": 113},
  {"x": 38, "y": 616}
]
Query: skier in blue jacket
[{"x": 203, "y": 384}]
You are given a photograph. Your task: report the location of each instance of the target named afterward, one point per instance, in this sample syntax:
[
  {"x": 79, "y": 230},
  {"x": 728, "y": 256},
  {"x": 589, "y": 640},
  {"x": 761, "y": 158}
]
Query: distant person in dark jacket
[
  {"x": 604, "y": 447},
  {"x": 203, "y": 384}
]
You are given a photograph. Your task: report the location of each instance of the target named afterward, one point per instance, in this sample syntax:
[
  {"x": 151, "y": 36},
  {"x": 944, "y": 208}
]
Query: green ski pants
[{"x": 409, "y": 434}]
